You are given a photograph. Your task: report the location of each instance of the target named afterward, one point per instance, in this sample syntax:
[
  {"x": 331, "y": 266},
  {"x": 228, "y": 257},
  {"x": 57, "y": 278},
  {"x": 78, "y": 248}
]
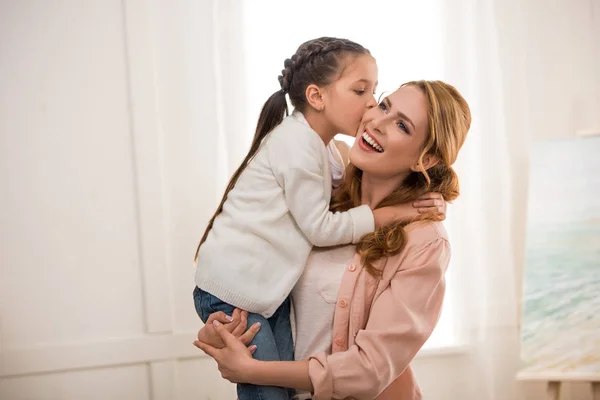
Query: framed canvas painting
[{"x": 560, "y": 324}]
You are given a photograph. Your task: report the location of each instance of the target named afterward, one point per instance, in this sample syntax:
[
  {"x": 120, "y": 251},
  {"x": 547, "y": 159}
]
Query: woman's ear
[
  {"x": 427, "y": 162},
  {"x": 314, "y": 97}
]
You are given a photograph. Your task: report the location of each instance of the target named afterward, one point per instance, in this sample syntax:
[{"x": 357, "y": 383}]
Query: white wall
[
  {"x": 96, "y": 240},
  {"x": 105, "y": 109}
]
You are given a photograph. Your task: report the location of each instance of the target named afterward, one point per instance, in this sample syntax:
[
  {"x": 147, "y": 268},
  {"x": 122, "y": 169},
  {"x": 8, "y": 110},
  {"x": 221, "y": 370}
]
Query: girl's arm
[{"x": 296, "y": 160}]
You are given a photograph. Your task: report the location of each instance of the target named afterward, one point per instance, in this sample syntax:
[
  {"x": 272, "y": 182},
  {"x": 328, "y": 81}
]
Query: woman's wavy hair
[{"x": 449, "y": 120}]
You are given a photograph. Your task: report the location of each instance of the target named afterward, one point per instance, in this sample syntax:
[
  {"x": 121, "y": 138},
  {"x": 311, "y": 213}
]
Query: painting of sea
[{"x": 560, "y": 325}]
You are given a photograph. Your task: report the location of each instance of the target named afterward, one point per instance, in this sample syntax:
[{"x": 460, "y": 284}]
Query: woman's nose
[{"x": 378, "y": 120}]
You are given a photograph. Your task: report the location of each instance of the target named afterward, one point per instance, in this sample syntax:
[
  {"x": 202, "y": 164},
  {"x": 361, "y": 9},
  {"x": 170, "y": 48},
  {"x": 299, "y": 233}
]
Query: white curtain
[
  {"x": 199, "y": 81},
  {"x": 481, "y": 222}
]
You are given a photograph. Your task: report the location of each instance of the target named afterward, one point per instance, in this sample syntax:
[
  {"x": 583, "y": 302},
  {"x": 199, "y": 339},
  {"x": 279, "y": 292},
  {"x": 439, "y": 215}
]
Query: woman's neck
[
  {"x": 374, "y": 189},
  {"x": 318, "y": 123}
]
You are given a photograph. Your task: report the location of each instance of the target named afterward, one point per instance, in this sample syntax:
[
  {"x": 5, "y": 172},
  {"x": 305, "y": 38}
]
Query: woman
[{"x": 390, "y": 293}]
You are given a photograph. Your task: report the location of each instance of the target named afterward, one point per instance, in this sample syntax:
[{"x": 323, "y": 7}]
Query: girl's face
[
  {"x": 348, "y": 98},
  {"x": 393, "y": 134}
]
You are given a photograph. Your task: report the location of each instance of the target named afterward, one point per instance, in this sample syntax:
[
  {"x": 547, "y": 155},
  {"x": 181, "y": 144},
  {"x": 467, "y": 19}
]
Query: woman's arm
[
  {"x": 400, "y": 321},
  {"x": 237, "y": 365},
  {"x": 292, "y": 374}
]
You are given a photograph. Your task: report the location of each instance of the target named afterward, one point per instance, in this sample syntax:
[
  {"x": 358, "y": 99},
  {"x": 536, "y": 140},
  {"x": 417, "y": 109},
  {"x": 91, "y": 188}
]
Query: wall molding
[
  {"x": 155, "y": 349},
  {"x": 159, "y": 351}
]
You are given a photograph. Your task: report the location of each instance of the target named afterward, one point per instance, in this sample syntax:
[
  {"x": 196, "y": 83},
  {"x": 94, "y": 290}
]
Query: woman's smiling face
[{"x": 393, "y": 134}]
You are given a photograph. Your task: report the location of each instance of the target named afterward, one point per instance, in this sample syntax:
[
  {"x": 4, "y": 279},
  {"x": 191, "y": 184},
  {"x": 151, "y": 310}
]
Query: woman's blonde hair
[{"x": 449, "y": 120}]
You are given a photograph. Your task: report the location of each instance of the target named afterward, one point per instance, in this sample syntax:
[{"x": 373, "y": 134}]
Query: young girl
[{"x": 276, "y": 206}]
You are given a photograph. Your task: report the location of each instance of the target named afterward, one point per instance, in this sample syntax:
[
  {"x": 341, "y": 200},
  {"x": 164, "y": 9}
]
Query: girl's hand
[
  {"x": 428, "y": 203},
  {"x": 389, "y": 215},
  {"x": 431, "y": 202},
  {"x": 234, "y": 359}
]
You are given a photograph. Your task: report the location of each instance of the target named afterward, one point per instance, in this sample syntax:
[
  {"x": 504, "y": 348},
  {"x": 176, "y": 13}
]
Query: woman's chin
[{"x": 357, "y": 159}]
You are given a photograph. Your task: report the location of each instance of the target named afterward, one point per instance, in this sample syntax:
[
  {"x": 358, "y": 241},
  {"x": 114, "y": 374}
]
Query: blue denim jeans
[{"x": 273, "y": 341}]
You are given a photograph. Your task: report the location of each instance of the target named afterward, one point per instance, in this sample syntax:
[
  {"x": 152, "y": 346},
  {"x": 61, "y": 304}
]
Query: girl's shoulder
[{"x": 294, "y": 132}]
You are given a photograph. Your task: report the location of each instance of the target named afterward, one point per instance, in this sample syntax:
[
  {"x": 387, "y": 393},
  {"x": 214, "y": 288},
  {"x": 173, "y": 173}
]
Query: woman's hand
[
  {"x": 235, "y": 324},
  {"x": 431, "y": 202},
  {"x": 234, "y": 358}
]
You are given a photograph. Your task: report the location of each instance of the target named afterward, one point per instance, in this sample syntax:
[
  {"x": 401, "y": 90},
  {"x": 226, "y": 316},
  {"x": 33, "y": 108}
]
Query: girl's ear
[{"x": 314, "y": 97}]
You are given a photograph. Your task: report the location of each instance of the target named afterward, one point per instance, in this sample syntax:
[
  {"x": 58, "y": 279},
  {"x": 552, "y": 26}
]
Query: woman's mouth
[{"x": 368, "y": 143}]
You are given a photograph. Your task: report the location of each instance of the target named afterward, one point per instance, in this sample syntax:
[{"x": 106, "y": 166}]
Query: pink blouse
[{"x": 381, "y": 322}]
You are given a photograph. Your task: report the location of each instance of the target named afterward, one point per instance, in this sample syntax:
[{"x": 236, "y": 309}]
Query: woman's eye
[
  {"x": 402, "y": 126},
  {"x": 383, "y": 106},
  {"x": 359, "y": 92}
]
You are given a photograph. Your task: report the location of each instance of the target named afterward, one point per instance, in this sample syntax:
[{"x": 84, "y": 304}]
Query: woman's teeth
[{"x": 371, "y": 142}]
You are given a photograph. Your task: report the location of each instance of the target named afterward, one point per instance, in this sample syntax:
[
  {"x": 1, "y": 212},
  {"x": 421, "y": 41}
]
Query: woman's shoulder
[
  {"x": 426, "y": 246},
  {"x": 344, "y": 150},
  {"x": 422, "y": 233}
]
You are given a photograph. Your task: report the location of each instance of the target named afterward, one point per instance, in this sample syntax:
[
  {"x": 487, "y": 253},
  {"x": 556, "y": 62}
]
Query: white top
[
  {"x": 336, "y": 163},
  {"x": 314, "y": 298},
  {"x": 278, "y": 209}
]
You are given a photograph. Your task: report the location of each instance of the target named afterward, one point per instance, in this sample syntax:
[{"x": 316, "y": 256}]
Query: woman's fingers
[
  {"x": 208, "y": 349},
  {"x": 219, "y": 316},
  {"x": 241, "y": 327},
  {"x": 230, "y": 322},
  {"x": 225, "y": 335},
  {"x": 237, "y": 320},
  {"x": 247, "y": 337},
  {"x": 252, "y": 349}
]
